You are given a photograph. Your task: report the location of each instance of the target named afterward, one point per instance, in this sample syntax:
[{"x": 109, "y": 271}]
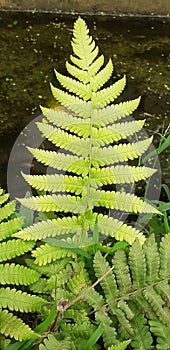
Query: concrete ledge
[{"x": 156, "y": 7}]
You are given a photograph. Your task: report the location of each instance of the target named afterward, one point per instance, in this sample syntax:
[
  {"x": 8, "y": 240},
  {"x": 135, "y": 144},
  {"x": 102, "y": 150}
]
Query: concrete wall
[{"x": 160, "y": 7}]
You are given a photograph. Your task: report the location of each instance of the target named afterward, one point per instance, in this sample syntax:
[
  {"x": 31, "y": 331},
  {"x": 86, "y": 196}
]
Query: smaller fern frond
[
  {"x": 56, "y": 183},
  {"x": 47, "y": 253},
  {"x": 142, "y": 337},
  {"x": 120, "y": 174},
  {"x": 74, "y": 103},
  {"x": 9, "y": 227},
  {"x": 51, "y": 343},
  {"x": 122, "y": 232},
  {"x": 66, "y": 203},
  {"x": 165, "y": 257},
  {"x": 20, "y": 301},
  {"x": 16, "y": 274},
  {"x": 120, "y": 153},
  {"x": 78, "y": 73},
  {"x": 137, "y": 265},
  {"x": 7, "y": 210},
  {"x": 124, "y": 201},
  {"x": 58, "y": 161},
  {"x": 122, "y": 272},
  {"x": 114, "y": 112},
  {"x": 3, "y": 197},
  {"x": 126, "y": 129},
  {"x": 109, "y": 332},
  {"x": 102, "y": 77},
  {"x": 152, "y": 259},
  {"x": 11, "y": 326},
  {"x": 162, "y": 332},
  {"x": 108, "y": 95},
  {"x": 83, "y": 45},
  {"x": 13, "y": 248},
  {"x": 54, "y": 227},
  {"x": 74, "y": 86},
  {"x": 158, "y": 305},
  {"x": 108, "y": 284}
]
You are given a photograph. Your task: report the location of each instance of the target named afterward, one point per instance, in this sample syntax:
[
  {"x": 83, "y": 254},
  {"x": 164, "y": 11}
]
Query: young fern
[{"x": 86, "y": 131}]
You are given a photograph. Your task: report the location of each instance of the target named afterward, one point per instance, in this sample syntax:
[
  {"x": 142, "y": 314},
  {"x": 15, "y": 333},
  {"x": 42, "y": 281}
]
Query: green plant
[
  {"x": 87, "y": 295},
  {"x": 122, "y": 296},
  {"x": 86, "y": 130},
  {"x": 13, "y": 276}
]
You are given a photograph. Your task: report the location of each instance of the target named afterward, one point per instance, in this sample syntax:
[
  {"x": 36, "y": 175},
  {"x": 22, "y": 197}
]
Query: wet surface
[{"x": 33, "y": 45}]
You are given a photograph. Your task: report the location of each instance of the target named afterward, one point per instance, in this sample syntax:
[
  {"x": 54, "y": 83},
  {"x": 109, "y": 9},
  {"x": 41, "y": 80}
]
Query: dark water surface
[{"x": 32, "y": 45}]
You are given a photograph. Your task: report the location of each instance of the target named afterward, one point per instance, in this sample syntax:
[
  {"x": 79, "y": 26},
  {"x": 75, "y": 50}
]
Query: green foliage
[
  {"x": 52, "y": 343},
  {"x": 87, "y": 295},
  {"x": 87, "y": 128},
  {"x": 12, "y": 299},
  {"x": 137, "y": 305}
]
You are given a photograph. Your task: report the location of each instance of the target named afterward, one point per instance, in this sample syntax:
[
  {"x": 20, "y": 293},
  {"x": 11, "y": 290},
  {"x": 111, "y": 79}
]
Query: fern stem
[{"x": 86, "y": 291}]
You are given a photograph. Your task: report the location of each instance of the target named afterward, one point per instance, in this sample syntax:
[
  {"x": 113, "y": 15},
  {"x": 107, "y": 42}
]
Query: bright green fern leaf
[
  {"x": 13, "y": 248},
  {"x": 16, "y": 274},
  {"x": 86, "y": 129},
  {"x": 20, "y": 301},
  {"x": 14, "y": 327}
]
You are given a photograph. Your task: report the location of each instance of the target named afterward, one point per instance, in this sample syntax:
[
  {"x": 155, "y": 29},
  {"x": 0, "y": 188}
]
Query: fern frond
[
  {"x": 56, "y": 160},
  {"x": 142, "y": 339},
  {"x": 122, "y": 272},
  {"x": 114, "y": 112},
  {"x": 63, "y": 119},
  {"x": 13, "y": 248},
  {"x": 152, "y": 259},
  {"x": 51, "y": 343},
  {"x": 109, "y": 332},
  {"x": 56, "y": 183},
  {"x": 14, "y": 327},
  {"x": 10, "y": 227},
  {"x": 47, "y": 253},
  {"x": 120, "y": 153},
  {"x": 165, "y": 257},
  {"x": 66, "y": 203},
  {"x": 124, "y": 201},
  {"x": 55, "y": 227},
  {"x": 108, "y": 284},
  {"x": 162, "y": 333},
  {"x": 127, "y": 129},
  {"x": 7, "y": 210},
  {"x": 158, "y": 305},
  {"x": 20, "y": 301},
  {"x": 137, "y": 265},
  {"x": 78, "y": 73},
  {"x": 16, "y": 274},
  {"x": 122, "y": 232},
  {"x": 102, "y": 77},
  {"x": 74, "y": 86},
  {"x": 107, "y": 95},
  {"x": 83, "y": 45},
  {"x": 3, "y": 197},
  {"x": 120, "y": 174},
  {"x": 94, "y": 299},
  {"x": 74, "y": 103}
]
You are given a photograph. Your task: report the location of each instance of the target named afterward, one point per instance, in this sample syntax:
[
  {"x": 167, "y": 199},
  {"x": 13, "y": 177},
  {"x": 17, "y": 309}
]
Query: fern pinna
[
  {"x": 85, "y": 130},
  {"x": 14, "y": 276}
]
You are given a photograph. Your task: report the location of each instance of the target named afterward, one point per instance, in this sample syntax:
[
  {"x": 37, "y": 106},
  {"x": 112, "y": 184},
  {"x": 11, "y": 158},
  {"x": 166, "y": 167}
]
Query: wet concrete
[{"x": 160, "y": 7}]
